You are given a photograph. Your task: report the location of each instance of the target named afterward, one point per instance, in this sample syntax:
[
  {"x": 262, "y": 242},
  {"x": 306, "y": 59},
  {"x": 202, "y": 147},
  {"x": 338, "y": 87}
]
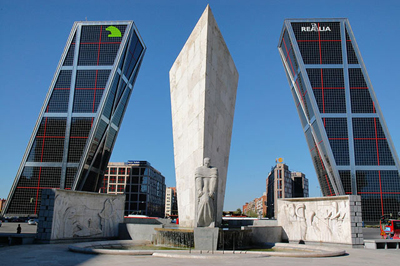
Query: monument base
[{"x": 206, "y": 238}]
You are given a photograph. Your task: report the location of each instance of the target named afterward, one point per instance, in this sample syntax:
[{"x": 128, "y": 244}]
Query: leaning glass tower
[
  {"x": 78, "y": 124},
  {"x": 344, "y": 127}
]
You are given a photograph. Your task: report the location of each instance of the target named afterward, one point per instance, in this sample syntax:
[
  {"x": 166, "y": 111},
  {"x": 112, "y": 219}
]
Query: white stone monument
[
  {"x": 203, "y": 84},
  {"x": 66, "y": 214},
  {"x": 327, "y": 219}
]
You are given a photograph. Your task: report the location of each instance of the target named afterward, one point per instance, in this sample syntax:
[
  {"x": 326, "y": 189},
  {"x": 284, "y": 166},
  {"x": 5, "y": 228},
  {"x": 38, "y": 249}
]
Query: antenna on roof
[{"x": 86, "y": 18}]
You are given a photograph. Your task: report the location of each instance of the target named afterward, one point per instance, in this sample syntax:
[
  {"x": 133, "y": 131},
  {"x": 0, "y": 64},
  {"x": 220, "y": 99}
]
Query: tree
[{"x": 238, "y": 212}]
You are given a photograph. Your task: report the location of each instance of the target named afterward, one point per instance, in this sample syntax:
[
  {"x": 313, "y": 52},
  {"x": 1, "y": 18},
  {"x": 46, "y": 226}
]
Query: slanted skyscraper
[
  {"x": 203, "y": 83},
  {"x": 344, "y": 127},
  {"x": 77, "y": 127}
]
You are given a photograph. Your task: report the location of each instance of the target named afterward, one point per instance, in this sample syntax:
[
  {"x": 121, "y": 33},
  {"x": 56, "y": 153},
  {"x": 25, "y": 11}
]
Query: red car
[{"x": 391, "y": 229}]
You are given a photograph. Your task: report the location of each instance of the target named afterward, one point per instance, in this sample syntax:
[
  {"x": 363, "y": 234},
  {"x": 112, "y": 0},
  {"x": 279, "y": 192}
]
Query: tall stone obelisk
[{"x": 203, "y": 84}]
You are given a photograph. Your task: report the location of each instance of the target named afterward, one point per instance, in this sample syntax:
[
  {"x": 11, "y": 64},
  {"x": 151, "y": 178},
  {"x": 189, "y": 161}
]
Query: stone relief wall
[
  {"x": 84, "y": 214},
  {"x": 328, "y": 219}
]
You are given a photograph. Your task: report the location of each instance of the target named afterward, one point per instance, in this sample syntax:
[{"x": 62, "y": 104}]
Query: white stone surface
[
  {"x": 203, "y": 83},
  {"x": 86, "y": 214},
  {"x": 326, "y": 219}
]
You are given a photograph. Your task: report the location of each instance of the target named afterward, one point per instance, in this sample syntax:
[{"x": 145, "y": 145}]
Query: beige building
[
  {"x": 282, "y": 183},
  {"x": 256, "y": 207},
  {"x": 171, "y": 203},
  {"x": 2, "y": 204},
  {"x": 143, "y": 185}
]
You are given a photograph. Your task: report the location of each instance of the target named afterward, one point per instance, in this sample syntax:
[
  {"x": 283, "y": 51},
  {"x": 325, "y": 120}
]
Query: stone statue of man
[{"x": 206, "y": 187}]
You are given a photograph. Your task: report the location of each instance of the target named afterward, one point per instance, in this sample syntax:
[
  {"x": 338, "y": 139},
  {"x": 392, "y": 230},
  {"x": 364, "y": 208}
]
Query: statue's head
[{"x": 207, "y": 162}]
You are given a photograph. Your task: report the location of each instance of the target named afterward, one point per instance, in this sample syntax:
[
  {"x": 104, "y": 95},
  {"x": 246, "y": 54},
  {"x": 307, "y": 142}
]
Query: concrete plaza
[{"x": 58, "y": 254}]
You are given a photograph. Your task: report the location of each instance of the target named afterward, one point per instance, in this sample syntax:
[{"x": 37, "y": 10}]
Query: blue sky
[{"x": 266, "y": 124}]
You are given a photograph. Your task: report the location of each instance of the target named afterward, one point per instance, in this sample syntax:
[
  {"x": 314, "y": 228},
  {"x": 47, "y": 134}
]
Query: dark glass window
[
  {"x": 345, "y": 177},
  {"x": 69, "y": 59},
  {"x": 113, "y": 170},
  {"x": 97, "y": 46},
  {"x": 322, "y": 174},
  {"x": 361, "y": 101},
  {"x": 370, "y": 144},
  {"x": 319, "y": 42},
  {"x": 80, "y": 128},
  {"x": 111, "y": 188},
  {"x": 132, "y": 56},
  {"x": 287, "y": 49},
  {"x": 379, "y": 192},
  {"x": 328, "y": 88},
  {"x": 40, "y": 177},
  {"x": 58, "y": 102},
  {"x": 48, "y": 145},
  {"x": 301, "y": 91},
  {"x": 89, "y": 90},
  {"x": 351, "y": 55},
  {"x": 336, "y": 130},
  {"x": 69, "y": 179}
]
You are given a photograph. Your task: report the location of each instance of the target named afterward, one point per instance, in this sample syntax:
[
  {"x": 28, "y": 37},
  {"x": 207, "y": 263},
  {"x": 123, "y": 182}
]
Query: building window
[{"x": 113, "y": 171}]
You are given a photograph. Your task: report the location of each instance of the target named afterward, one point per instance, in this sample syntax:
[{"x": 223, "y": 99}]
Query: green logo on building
[{"x": 114, "y": 32}]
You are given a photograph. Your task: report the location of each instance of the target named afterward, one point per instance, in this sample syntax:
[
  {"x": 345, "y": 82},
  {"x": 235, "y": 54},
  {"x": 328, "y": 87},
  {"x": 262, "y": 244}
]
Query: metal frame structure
[
  {"x": 349, "y": 141},
  {"x": 78, "y": 124}
]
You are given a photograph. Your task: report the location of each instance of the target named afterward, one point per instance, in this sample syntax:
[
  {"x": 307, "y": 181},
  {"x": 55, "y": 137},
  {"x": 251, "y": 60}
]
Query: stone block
[
  {"x": 206, "y": 238},
  {"x": 84, "y": 214},
  {"x": 340, "y": 224}
]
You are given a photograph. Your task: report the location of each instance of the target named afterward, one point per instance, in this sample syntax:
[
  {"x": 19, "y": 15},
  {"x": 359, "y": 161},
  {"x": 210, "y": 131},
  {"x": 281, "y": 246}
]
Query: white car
[{"x": 32, "y": 222}]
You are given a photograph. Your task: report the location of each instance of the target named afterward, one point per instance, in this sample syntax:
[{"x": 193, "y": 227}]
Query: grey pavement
[
  {"x": 58, "y": 254},
  {"x": 12, "y": 228}
]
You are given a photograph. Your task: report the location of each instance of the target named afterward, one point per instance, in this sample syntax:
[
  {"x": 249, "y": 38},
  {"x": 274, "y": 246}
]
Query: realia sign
[{"x": 315, "y": 28}]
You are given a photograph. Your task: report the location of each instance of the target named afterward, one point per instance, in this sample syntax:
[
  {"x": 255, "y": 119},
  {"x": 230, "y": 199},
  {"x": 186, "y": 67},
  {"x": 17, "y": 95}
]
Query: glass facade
[
  {"x": 347, "y": 137},
  {"x": 143, "y": 186},
  {"x": 79, "y": 121}
]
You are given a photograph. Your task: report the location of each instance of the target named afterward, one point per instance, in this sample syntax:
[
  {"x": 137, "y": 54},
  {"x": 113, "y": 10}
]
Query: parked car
[{"x": 32, "y": 222}]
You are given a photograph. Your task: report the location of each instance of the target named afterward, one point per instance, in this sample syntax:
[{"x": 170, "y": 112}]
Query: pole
[{"x": 212, "y": 243}]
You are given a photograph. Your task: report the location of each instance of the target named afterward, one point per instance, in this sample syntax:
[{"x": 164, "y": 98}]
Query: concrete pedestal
[{"x": 206, "y": 238}]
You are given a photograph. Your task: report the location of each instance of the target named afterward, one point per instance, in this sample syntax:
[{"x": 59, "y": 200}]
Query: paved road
[
  {"x": 371, "y": 233},
  {"x": 12, "y": 228}
]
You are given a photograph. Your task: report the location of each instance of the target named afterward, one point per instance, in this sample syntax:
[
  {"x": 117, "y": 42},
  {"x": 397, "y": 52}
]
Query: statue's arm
[
  {"x": 199, "y": 185},
  {"x": 213, "y": 182}
]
